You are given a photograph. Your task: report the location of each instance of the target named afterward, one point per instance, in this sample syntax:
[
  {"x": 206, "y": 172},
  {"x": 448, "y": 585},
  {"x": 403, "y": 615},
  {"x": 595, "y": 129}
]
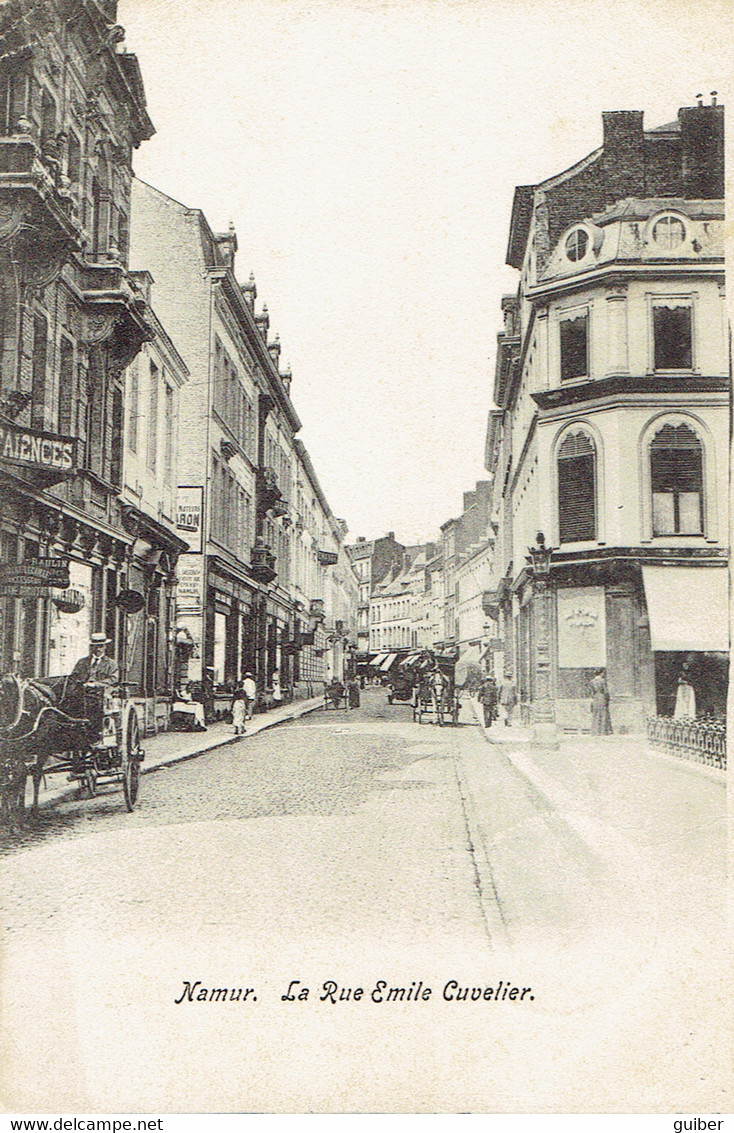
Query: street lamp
[
  {"x": 539, "y": 557},
  {"x": 541, "y": 611}
]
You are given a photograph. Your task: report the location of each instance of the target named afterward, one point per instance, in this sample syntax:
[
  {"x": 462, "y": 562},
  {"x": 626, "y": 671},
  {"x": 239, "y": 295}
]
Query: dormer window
[
  {"x": 577, "y": 245},
  {"x": 669, "y": 232}
]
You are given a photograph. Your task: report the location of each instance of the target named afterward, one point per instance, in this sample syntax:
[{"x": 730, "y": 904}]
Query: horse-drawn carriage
[
  {"x": 436, "y": 695},
  {"x": 336, "y": 695},
  {"x": 89, "y": 732},
  {"x": 400, "y": 684}
]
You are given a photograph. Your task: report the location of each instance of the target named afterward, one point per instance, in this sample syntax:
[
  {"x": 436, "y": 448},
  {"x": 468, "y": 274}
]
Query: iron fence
[{"x": 702, "y": 740}]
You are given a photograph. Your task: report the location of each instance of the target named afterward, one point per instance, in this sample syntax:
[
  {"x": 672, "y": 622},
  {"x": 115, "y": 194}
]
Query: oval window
[
  {"x": 669, "y": 232},
  {"x": 577, "y": 243}
]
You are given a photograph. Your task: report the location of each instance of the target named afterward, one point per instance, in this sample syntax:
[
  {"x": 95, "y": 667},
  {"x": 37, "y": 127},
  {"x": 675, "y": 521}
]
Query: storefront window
[{"x": 69, "y": 633}]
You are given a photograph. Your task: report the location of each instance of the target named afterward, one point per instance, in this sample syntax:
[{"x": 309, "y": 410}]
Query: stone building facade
[
  {"x": 72, "y": 110},
  {"x": 372, "y": 559},
  {"x": 609, "y": 446},
  {"x": 251, "y": 587}
]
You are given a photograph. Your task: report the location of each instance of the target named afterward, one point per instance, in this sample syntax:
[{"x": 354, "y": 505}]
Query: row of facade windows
[
  {"x": 232, "y": 404},
  {"x": 231, "y": 510},
  {"x": 143, "y": 419},
  {"x": 672, "y": 333},
  {"x": 676, "y": 484},
  {"x": 398, "y": 609}
]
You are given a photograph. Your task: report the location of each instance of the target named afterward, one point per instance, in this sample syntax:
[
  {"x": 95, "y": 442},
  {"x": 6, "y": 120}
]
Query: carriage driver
[{"x": 97, "y": 667}]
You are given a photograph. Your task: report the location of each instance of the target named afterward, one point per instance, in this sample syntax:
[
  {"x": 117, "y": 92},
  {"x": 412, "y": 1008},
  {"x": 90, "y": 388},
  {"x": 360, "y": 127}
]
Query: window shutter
[{"x": 577, "y": 489}]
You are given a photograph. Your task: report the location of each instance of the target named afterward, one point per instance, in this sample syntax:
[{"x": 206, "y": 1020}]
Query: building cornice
[
  {"x": 617, "y": 389},
  {"x": 617, "y": 271}
]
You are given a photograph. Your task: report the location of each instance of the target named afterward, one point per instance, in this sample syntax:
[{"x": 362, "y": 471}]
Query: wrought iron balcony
[
  {"x": 490, "y": 602},
  {"x": 316, "y": 609},
  {"x": 262, "y": 562},
  {"x": 267, "y": 484}
]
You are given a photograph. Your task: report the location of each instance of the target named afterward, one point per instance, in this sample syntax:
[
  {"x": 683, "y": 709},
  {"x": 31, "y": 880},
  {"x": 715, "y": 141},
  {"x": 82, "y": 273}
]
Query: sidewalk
[
  {"x": 520, "y": 738},
  {"x": 174, "y": 747}
]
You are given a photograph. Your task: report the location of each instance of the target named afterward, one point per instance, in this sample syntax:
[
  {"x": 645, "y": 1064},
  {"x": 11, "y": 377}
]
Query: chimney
[
  {"x": 702, "y": 150},
  {"x": 227, "y": 244},
  {"x": 623, "y": 154}
]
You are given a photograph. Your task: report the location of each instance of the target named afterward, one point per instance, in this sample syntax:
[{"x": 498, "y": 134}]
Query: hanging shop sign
[
  {"x": 131, "y": 601},
  {"x": 69, "y": 601},
  {"x": 33, "y": 449},
  {"x": 189, "y": 517},
  {"x": 33, "y": 578}
]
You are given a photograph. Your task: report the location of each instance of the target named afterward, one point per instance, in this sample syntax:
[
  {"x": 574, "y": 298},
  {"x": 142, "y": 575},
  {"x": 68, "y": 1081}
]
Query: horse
[
  {"x": 440, "y": 689},
  {"x": 33, "y": 724}
]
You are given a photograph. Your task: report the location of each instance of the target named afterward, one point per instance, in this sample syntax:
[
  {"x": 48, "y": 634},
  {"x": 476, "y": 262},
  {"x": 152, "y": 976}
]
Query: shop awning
[
  {"x": 377, "y": 661},
  {"x": 388, "y": 662},
  {"x": 687, "y": 607}
]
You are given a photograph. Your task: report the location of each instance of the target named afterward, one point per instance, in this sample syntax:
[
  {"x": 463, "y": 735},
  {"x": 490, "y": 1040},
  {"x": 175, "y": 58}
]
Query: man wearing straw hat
[{"x": 97, "y": 667}]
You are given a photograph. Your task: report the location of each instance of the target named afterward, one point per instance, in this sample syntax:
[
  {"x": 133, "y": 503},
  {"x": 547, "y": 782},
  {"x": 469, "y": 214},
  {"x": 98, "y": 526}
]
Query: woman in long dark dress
[{"x": 601, "y": 721}]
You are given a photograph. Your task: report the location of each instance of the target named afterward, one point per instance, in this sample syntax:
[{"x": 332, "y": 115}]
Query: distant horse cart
[
  {"x": 436, "y": 696},
  {"x": 89, "y": 732}
]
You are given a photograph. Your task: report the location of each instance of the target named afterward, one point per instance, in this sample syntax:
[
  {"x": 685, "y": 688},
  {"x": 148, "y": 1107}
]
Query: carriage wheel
[{"x": 131, "y": 762}]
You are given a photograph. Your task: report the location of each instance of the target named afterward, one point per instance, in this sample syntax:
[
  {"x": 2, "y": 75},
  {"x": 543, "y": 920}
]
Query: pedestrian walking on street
[
  {"x": 239, "y": 705},
  {"x": 507, "y": 697},
  {"x": 601, "y": 721},
  {"x": 250, "y": 690},
  {"x": 488, "y": 700}
]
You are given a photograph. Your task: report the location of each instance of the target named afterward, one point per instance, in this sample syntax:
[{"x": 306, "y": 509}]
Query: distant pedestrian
[
  {"x": 488, "y": 700},
  {"x": 507, "y": 697},
  {"x": 239, "y": 706},
  {"x": 601, "y": 721},
  {"x": 250, "y": 690},
  {"x": 277, "y": 690}
]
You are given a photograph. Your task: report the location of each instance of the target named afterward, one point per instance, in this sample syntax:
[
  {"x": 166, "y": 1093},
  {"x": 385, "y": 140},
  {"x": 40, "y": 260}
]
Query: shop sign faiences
[{"x": 33, "y": 449}]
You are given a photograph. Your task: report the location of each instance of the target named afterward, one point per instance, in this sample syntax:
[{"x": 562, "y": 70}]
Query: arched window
[
  {"x": 577, "y": 488},
  {"x": 676, "y": 476}
]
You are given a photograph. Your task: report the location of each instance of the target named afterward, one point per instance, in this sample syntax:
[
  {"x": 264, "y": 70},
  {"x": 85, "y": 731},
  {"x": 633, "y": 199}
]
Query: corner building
[{"x": 611, "y": 434}]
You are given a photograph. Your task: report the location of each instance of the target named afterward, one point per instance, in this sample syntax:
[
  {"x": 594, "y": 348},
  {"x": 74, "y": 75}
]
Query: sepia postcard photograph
[{"x": 365, "y": 509}]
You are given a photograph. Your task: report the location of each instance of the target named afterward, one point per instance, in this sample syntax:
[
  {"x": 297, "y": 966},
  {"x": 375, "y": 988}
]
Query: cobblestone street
[{"x": 358, "y": 847}]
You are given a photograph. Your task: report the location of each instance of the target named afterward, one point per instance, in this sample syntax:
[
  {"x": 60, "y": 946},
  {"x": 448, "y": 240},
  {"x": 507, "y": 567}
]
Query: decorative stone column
[
  {"x": 544, "y": 706},
  {"x": 617, "y": 358}
]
